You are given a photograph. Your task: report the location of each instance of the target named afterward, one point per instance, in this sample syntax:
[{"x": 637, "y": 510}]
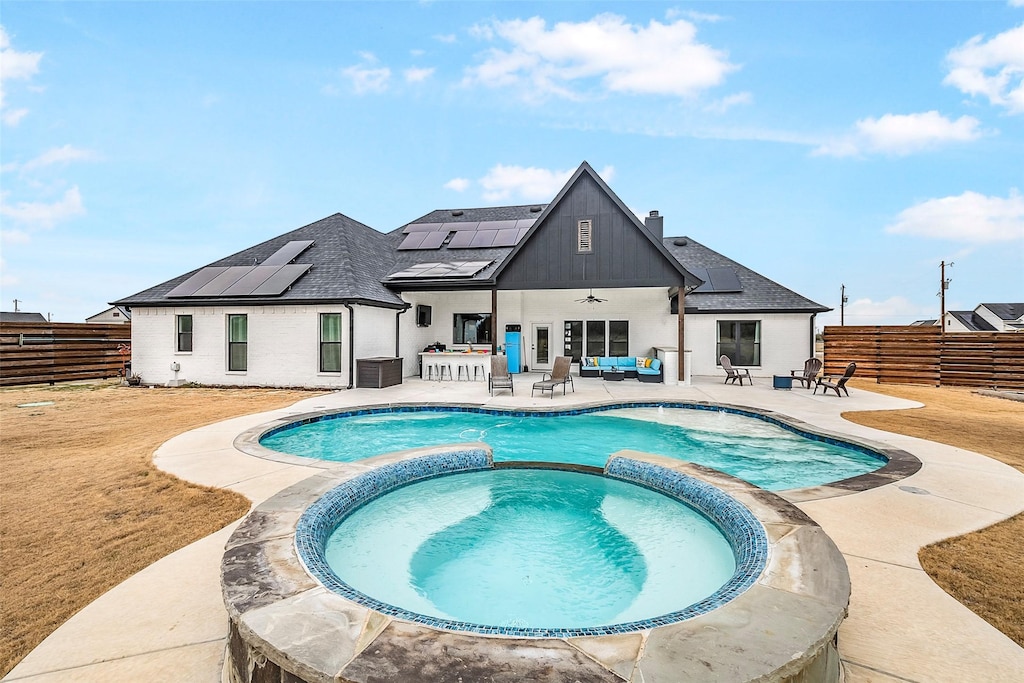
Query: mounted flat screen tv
[{"x": 422, "y": 315}]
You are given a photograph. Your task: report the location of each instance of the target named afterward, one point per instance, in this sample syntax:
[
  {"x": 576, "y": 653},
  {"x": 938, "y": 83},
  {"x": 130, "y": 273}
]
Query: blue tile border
[{"x": 742, "y": 529}]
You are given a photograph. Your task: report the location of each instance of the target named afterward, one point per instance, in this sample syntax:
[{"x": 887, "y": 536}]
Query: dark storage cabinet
[{"x": 377, "y": 373}]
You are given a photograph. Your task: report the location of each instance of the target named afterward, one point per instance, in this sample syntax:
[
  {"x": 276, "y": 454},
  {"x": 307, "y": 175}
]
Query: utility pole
[
  {"x": 943, "y": 286},
  {"x": 842, "y": 305},
  {"x": 16, "y": 305}
]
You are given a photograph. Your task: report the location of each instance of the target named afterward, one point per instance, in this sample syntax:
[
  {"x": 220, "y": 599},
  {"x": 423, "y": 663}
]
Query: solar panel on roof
[
  {"x": 288, "y": 252},
  {"x": 702, "y": 273},
  {"x": 424, "y": 271},
  {"x": 484, "y": 238},
  {"x": 520, "y": 234},
  {"x": 463, "y": 239},
  {"x": 468, "y": 268},
  {"x": 724, "y": 280},
  {"x": 506, "y": 238},
  {"x": 433, "y": 240},
  {"x": 250, "y": 281},
  {"x": 217, "y": 285},
  {"x": 496, "y": 225},
  {"x": 422, "y": 227},
  {"x": 463, "y": 225},
  {"x": 284, "y": 278},
  {"x": 525, "y": 222},
  {"x": 413, "y": 240},
  {"x": 203, "y": 277}
]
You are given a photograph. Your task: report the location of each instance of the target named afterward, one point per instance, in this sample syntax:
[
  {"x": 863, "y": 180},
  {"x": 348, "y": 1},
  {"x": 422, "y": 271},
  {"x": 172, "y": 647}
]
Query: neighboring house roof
[
  {"x": 20, "y": 317},
  {"x": 758, "y": 293},
  {"x": 349, "y": 261},
  {"x": 1006, "y": 311},
  {"x": 121, "y": 310},
  {"x": 924, "y": 323},
  {"x": 972, "y": 321}
]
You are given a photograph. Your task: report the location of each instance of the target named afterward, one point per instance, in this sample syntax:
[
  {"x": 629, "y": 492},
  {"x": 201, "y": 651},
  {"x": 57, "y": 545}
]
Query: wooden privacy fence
[
  {"x": 34, "y": 353},
  {"x": 923, "y": 355}
]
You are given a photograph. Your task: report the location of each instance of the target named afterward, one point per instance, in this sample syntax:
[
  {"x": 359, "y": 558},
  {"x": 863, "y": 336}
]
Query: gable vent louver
[{"x": 584, "y": 236}]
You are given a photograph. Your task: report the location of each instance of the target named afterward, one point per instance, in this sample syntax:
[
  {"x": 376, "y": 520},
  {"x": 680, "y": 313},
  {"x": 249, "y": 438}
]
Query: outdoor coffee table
[{"x": 613, "y": 375}]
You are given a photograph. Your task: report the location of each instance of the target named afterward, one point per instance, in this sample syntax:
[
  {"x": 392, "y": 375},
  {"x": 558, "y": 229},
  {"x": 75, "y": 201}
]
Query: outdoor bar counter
[{"x": 475, "y": 365}]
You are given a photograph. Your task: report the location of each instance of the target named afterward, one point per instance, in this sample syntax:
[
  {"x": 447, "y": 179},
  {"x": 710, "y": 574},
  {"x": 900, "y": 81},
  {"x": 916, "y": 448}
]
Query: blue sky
[{"x": 819, "y": 143}]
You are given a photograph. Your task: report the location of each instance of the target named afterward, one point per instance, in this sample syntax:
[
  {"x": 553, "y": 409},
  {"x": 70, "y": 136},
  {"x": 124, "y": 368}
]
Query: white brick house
[{"x": 300, "y": 309}]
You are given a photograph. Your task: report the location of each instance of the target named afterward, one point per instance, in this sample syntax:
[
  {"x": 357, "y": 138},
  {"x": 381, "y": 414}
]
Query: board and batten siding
[{"x": 283, "y": 344}]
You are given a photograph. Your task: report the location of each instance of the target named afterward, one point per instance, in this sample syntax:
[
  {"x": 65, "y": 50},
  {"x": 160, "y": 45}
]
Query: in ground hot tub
[{"x": 435, "y": 566}]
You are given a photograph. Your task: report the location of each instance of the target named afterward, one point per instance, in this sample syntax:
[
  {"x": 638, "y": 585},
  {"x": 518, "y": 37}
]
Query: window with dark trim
[
  {"x": 595, "y": 337},
  {"x": 471, "y": 328},
  {"x": 183, "y": 324},
  {"x": 330, "y": 342},
  {"x": 740, "y": 340},
  {"x": 238, "y": 342},
  {"x": 618, "y": 338}
]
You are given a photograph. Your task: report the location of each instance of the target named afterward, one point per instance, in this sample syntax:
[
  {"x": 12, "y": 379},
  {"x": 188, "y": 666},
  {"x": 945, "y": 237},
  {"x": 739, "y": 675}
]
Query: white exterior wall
[
  {"x": 952, "y": 324},
  {"x": 785, "y": 341},
  {"x": 283, "y": 344},
  {"x": 647, "y": 310}
]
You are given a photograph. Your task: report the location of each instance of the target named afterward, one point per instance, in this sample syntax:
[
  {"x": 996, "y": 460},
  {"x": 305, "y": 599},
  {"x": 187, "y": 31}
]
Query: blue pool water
[
  {"x": 754, "y": 450},
  {"x": 531, "y": 548}
]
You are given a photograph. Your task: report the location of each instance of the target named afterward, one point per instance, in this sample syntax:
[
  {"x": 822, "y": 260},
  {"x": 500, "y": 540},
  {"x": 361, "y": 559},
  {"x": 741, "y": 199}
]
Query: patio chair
[
  {"x": 732, "y": 374},
  {"x": 500, "y": 378},
  {"x": 829, "y": 382},
  {"x": 807, "y": 376},
  {"x": 559, "y": 375}
]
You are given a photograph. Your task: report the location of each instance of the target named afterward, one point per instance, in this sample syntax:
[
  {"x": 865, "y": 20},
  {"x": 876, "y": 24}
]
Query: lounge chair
[
  {"x": 807, "y": 376},
  {"x": 559, "y": 375},
  {"x": 732, "y": 374},
  {"x": 829, "y": 382},
  {"x": 500, "y": 378}
]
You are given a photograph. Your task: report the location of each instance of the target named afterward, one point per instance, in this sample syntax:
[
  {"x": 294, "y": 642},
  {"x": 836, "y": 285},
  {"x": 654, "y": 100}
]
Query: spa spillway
[{"x": 436, "y": 565}]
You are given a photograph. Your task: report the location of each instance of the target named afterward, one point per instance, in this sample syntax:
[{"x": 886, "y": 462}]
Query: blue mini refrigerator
[{"x": 513, "y": 347}]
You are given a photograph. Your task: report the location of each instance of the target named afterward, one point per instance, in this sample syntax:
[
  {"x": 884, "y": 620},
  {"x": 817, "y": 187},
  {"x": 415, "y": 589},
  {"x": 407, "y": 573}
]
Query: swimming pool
[
  {"x": 761, "y": 450},
  {"x": 530, "y": 548}
]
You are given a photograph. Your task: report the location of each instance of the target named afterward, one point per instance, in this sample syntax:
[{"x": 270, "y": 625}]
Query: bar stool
[
  {"x": 478, "y": 368},
  {"x": 441, "y": 368},
  {"x": 463, "y": 366}
]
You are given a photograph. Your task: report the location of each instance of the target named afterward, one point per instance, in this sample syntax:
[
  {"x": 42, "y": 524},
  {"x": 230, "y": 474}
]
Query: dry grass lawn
[
  {"x": 983, "y": 570},
  {"x": 81, "y": 506}
]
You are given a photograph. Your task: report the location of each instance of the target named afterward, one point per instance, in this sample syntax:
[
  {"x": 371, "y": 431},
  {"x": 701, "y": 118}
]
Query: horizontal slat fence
[
  {"x": 36, "y": 353},
  {"x": 923, "y": 355}
]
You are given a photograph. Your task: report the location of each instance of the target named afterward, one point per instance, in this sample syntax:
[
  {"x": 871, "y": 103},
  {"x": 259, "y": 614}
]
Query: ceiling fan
[{"x": 591, "y": 299}]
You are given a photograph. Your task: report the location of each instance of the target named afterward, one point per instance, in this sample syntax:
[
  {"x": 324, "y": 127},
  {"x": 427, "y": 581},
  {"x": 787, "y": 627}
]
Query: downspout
[
  {"x": 351, "y": 346},
  {"x": 398, "y": 330},
  {"x": 813, "y": 340}
]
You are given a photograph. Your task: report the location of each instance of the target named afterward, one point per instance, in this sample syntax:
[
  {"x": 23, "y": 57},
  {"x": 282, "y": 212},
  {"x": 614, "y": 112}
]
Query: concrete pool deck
[{"x": 168, "y": 622}]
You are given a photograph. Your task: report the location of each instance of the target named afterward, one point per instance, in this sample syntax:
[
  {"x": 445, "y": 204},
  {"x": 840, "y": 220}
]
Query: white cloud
[
  {"x": 40, "y": 215},
  {"x": 901, "y": 134},
  {"x": 457, "y": 184},
  {"x": 367, "y": 77},
  {"x": 993, "y": 69},
  {"x": 726, "y": 103},
  {"x": 528, "y": 183},
  {"x": 657, "y": 59},
  {"x": 446, "y": 38},
  {"x": 694, "y": 15},
  {"x": 970, "y": 217},
  {"x": 417, "y": 75},
  {"x": 57, "y": 155},
  {"x": 13, "y": 117},
  {"x": 15, "y": 65},
  {"x": 896, "y": 310}
]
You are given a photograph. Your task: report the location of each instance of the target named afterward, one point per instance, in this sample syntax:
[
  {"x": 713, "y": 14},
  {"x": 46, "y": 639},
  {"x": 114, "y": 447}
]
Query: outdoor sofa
[{"x": 642, "y": 368}]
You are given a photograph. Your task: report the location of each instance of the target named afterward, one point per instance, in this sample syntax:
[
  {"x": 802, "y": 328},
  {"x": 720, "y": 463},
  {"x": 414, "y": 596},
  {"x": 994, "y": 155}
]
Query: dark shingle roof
[
  {"x": 1006, "y": 311},
  {"x": 349, "y": 261},
  {"x": 759, "y": 293},
  {"x": 21, "y": 317},
  {"x": 972, "y": 321}
]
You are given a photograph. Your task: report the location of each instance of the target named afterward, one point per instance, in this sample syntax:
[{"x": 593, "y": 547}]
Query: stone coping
[
  {"x": 898, "y": 464},
  {"x": 286, "y": 625},
  {"x": 744, "y": 533}
]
